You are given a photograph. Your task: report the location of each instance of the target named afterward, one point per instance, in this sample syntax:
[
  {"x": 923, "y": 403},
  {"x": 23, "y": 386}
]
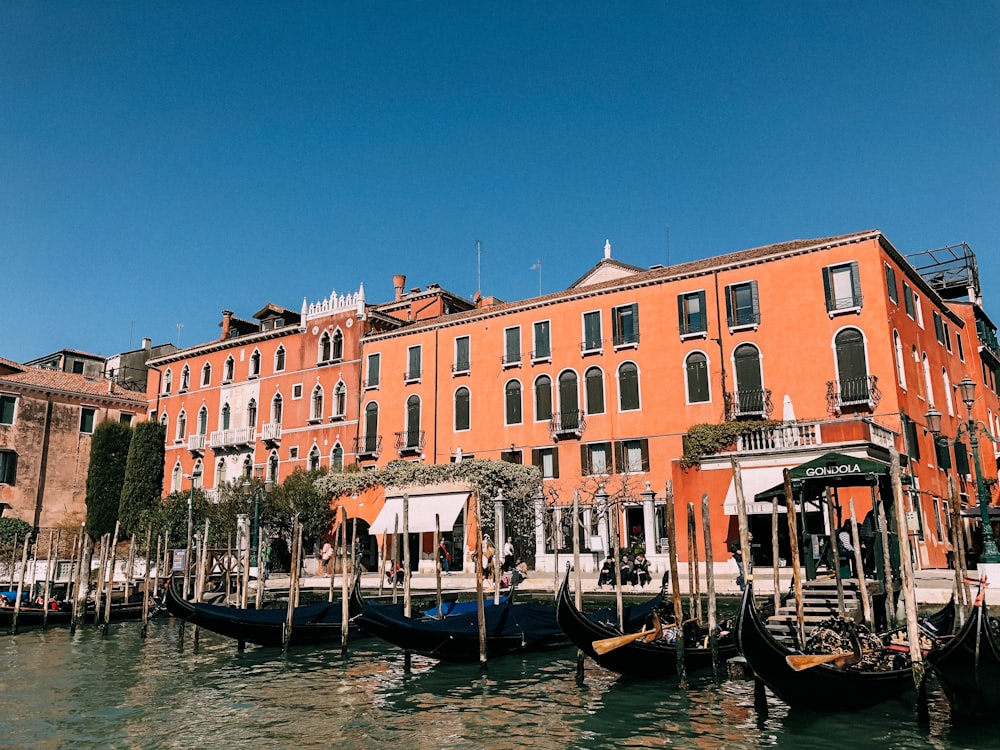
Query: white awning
[
  {"x": 754, "y": 481},
  {"x": 421, "y": 512}
]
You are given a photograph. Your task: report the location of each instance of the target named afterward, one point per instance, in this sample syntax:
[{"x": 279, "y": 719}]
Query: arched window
[
  {"x": 313, "y": 461},
  {"x": 255, "y": 364},
  {"x": 182, "y": 425},
  {"x": 227, "y": 370},
  {"x": 337, "y": 347},
  {"x": 317, "y": 403},
  {"x": 252, "y": 413},
  {"x": 512, "y": 402},
  {"x": 168, "y": 380},
  {"x": 696, "y": 378},
  {"x": 164, "y": 421},
  {"x": 279, "y": 359},
  {"x": 337, "y": 458},
  {"x": 340, "y": 399},
  {"x": 413, "y": 422},
  {"x": 325, "y": 347},
  {"x": 226, "y": 414},
  {"x": 569, "y": 401},
  {"x": 206, "y": 374},
  {"x": 175, "y": 478},
  {"x": 852, "y": 368},
  {"x": 202, "y": 421},
  {"x": 628, "y": 387},
  {"x": 897, "y": 348},
  {"x": 947, "y": 392},
  {"x": 918, "y": 378},
  {"x": 594, "y": 387},
  {"x": 463, "y": 416},
  {"x": 220, "y": 473},
  {"x": 276, "y": 408},
  {"x": 198, "y": 475},
  {"x": 543, "y": 398},
  {"x": 247, "y": 468},
  {"x": 185, "y": 378},
  {"x": 749, "y": 381},
  {"x": 927, "y": 378},
  {"x": 371, "y": 428},
  {"x": 272, "y": 467}
]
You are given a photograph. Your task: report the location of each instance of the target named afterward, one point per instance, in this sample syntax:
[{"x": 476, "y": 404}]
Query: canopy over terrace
[{"x": 445, "y": 502}]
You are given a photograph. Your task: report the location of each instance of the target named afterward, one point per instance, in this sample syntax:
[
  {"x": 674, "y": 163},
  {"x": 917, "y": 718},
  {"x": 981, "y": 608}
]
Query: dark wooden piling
[
  {"x": 20, "y": 584},
  {"x": 345, "y": 619},
  {"x": 793, "y": 538},
  {"x": 713, "y": 623},
  {"x": 682, "y": 680},
  {"x": 906, "y": 568}
]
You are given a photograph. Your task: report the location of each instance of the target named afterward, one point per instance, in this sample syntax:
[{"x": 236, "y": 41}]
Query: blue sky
[{"x": 162, "y": 162}]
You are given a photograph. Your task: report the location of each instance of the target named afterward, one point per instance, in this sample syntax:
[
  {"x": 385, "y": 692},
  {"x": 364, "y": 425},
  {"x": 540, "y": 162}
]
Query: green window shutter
[
  {"x": 729, "y": 305},
  {"x": 961, "y": 458},
  {"x": 644, "y": 447},
  {"x": 756, "y": 302},
  {"x": 890, "y": 283},
  {"x": 938, "y": 327},
  {"x": 7, "y": 409},
  {"x": 8, "y": 468},
  {"x": 555, "y": 463},
  {"x": 584, "y": 460},
  {"x": 831, "y": 304},
  {"x": 536, "y": 457},
  {"x": 619, "y": 456},
  {"x": 912, "y": 444},
  {"x": 682, "y": 323},
  {"x": 943, "y": 454},
  {"x": 617, "y": 337},
  {"x": 856, "y": 283}
]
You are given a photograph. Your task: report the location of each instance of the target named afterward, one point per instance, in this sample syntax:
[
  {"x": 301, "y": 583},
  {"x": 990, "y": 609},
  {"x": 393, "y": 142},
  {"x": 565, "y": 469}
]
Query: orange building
[
  {"x": 841, "y": 341},
  {"x": 597, "y": 385}
]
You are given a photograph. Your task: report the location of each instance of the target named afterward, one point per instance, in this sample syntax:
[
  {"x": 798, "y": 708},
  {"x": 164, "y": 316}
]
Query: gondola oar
[
  {"x": 610, "y": 644},
  {"x": 798, "y": 662}
]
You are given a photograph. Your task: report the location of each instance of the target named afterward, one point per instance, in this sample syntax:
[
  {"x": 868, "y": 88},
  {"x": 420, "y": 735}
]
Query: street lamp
[
  {"x": 254, "y": 534},
  {"x": 967, "y": 392}
]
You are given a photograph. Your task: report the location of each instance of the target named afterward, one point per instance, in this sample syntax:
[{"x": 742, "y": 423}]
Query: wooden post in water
[
  {"x": 20, "y": 583},
  {"x": 406, "y": 555},
  {"x": 694, "y": 575},
  {"x": 437, "y": 562},
  {"x": 962, "y": 597},
  {"x": 129, "y": 568},
  {"x": 576, "y": 551},
  {"x": 395, "y": 556},
  {"x": 245, "y": 567},
  {"x": 229, "y": 566},
  {"x": 616, "y": 536},
  {"x": 167, "y": 567},
  {"x": 866, "y": 605},
  {"x": 99, "y": 588},
  {"x": 293, "y": 575},
  {"x": 835, "y": 551},
  {"x": 741, "y": 515},
  {"x": 82, "y": 579},
  {"x": 111, "y": 580},
  {"x": 682, "y": 681},
  {"x": 72, "y": 568},
  {"x": 342, "y": 555},
  {"x": 906, "y": 567},
  {"x": 713, "y": 622},
  {"x": 793, "y": 538},
  {"x": 480, "y": 608},
  {"x": 890, "y": 586},
  {"x": 776, "y": 559},
  {"x": 384, "y": 559},
  {"x": 345, "y": 620},
  {"x": 145, "y": 583},
  {"x": 258, "y": 590},
  {"x": 46, "y": 585}
]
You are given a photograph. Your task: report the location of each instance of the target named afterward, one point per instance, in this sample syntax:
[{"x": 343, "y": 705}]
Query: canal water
[{"x": 86, "y": 690}]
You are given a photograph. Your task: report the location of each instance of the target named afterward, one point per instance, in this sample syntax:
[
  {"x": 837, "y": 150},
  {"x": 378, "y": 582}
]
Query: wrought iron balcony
[
  {"x": 368, "y": 446},
  {"x": 410, "y": 442},
  {"x": 853, "y": 394},
  {"x": 752, "y": 403},
  {"x": 567, "y": 424}
]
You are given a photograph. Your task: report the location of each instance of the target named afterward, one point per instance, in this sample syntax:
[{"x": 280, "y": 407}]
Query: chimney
[
  {"x": 398, "y": 282},
  {"x": 227, "y": 323},
  {"x": 147, "y": 346}
]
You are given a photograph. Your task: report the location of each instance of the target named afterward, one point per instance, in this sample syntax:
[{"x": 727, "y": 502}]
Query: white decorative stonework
[{"x": 334, "y": 304}]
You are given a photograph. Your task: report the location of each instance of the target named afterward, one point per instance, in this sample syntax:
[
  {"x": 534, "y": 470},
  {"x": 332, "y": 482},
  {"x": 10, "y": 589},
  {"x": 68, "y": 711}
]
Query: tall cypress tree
[
  {"x": 109, "y": 449},
  {"x": 143, "y": 476}
]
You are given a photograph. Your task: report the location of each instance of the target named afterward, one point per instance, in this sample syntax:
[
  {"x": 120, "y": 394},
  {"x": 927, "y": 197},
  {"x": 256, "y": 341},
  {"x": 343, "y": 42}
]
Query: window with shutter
[
  {"x": 512, "y": 402},
  {"x": 462, "y": 411},
  {"x": 594, "y": 383},
  {"x": 625, "y": 325},
  {"x": 890, "y": 283},
  {"x": 842, "y": 287},
  {"x": 742, "y": 306},
  {"x": 543, "y": 398},
  {"x": 696, "y": 374},
  {"x": 592, "y": 331},
  {"x": 691, "y": 317},
  {"x": 543, "y": 342}
]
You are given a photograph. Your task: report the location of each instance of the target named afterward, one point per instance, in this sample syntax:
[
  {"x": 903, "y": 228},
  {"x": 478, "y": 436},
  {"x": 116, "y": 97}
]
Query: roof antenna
[
  {"x": 180, "y": 327},
  {"x": 479, "y": 267},
  {"x": 537, "y": 266}
]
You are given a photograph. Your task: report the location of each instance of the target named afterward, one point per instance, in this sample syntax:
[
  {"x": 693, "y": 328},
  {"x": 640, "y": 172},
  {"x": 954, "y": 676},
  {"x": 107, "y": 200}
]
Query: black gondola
[
  {"x": 968, "y": 666},
  {"x": 511, "y": 628},
  {"x": 635, "y": 659},
  {"x": 311, "y": 623},
  {"x": 821, "y": 688}
]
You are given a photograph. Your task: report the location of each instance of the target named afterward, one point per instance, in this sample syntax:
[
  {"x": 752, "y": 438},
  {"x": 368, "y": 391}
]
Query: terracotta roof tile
[{"x": 69, "y": 382}]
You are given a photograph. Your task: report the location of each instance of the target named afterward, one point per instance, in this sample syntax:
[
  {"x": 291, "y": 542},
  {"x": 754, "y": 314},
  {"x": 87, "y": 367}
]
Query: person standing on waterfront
[
  {"x": 737, "y": 552},
  {"x": 326, "y": 559},
  {"x": 445, "y": 558},
  {"x": 508, "y": 555}
]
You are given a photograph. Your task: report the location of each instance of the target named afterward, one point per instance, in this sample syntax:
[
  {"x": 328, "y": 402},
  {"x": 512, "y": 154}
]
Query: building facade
[{"x": 47, "y": 417}]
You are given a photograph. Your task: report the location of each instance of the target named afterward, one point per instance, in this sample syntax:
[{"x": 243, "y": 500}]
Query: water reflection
[{"x": 87, "y": 691}]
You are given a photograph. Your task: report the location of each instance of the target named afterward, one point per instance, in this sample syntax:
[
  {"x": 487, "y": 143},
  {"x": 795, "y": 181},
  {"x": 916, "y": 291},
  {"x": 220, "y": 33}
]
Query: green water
[{"x": 88, "y": 691}]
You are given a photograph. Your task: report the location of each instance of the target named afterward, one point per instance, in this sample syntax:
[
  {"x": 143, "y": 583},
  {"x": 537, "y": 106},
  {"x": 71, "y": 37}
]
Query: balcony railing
[
  {"x": 567, "y": 424},
  {"x": 232, "y": 437},
  {"x": 368, "y": 446},
  {"x": 196, "y": 443},
  {"x": 783, "y": 437},
  {"x": 752, "y": 403},
  {"x": 411, "y": 441},
  {"x": 853, "y": 393},
  {"x": 270, "y": 432}
]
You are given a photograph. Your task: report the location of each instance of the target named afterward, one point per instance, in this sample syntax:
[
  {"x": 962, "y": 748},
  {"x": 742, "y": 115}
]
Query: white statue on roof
[{"x": 607, "y": 248}]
